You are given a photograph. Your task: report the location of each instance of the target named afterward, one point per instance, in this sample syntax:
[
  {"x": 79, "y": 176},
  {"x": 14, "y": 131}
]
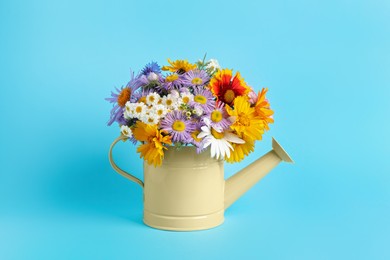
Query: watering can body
[{"x": 188, "y": 191}]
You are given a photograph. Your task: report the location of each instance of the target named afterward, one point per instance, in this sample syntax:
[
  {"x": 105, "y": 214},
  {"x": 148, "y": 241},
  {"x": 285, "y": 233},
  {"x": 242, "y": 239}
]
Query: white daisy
[
  {"x": 219, "y": 141},
  {"x": 169, "y": 101},
  {"x": 152, "y": 99},
  {"x": 150, "y": 118},
  {"x": 174, "y": 93},
  {"x": 160, "y": 110},
  {"x": 129, "y": 110},
  {"x": 186, "y": 97},
  {"x": 177, "y": 104},
  {"x": 126, "y": 131},
  {"x": 213, "y": 65},
  {"x": 140, "y": 110},
  {"x": 198, "y": 111}
]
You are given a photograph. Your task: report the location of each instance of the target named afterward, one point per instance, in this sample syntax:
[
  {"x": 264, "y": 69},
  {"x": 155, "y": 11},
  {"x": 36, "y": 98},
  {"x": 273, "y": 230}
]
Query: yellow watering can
[{"x": 189, "y": 192}]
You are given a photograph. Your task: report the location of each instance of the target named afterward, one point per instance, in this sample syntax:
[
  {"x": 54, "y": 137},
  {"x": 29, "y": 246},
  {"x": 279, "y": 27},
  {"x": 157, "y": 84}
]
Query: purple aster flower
[
  {"x": 197, "y": 142},
  {"x": 178, "y": 126},
  {"x": 173, "y": 81},
  {"x": 142, "y": 80},
  {"x": 151, "y": 81},
  {"x": 219, "y": 117},
  {"x": 196, "y": 78},
  {"x": 203, "y": 99},
  {"x": 151, "y": 67},
  {"x": 120, "y": 98}
]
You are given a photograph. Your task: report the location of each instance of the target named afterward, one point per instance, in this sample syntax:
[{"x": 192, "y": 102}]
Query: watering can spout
[{"x": 242, "y": 181}]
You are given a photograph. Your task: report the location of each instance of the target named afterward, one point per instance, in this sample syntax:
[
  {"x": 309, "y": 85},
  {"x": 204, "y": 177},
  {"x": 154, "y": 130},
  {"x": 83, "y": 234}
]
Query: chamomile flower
[
  {"x": 140, "y": 110},
  {"x": 198, "y": 111},
  {"x": 175, "y": 93},
  {"x": 160, "y": 110},
  {"x": 129, "y": 110},
  {"x": 152, "y": 99},
  {"x": 186, "y": 97},
  {"x": 126, "y": 131},
  {"x": 213, "y": 65},
  {"x": 169, "y": 101},
  {"x": 219, "y": 142},
  {"x": 150, "y": 118}
]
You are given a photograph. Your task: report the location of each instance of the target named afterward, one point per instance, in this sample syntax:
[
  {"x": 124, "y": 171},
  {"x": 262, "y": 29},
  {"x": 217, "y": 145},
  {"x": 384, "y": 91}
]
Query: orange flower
[
  {"x": 246, "y": 123},
  {"x": 152, "y": 150},
  {"x": 227, "y": 89},
  {"x": 263, "y": 110}
]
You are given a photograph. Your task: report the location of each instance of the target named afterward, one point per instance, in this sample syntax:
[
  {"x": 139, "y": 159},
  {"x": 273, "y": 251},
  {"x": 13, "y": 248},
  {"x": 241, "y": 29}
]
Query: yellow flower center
[
  {"x": 178, "y": 126},
  {"x": 151, "y": 99},
  {"x": 186, "y": 100},
  {"x": 216, "y": 116},
  {"x": 197, "y": 81},
  {"x": 160, "y": 112},
  {"x": 243, "y": 119},
  {"x": 200, "y": 99},
  {"x": 216, "y": 134},
  {"x": 123, "y": 97},
  {"x": 125, "y": 132},
  {"x": 150, "y": 120},
  {"x": 169, "y": 102},
  {"x": 172, "y": 77},
  {"x": 142, "y": 99},
  {"x": 195, "y": 134},
  {"x": 229, "y": 96},
  {"x": 138, "y": 109}
]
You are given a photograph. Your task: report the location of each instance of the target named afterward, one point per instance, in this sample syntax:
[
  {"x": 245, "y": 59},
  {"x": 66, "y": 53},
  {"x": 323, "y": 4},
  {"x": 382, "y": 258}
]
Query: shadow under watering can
[{"x": 189, "y": 192}]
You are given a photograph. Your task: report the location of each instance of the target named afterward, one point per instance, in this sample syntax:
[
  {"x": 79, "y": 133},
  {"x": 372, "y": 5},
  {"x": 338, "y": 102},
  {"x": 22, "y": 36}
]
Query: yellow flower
[
  {"x": 240, "y": 150},
  {"x": 246, "y": 123},
  {"x": 179, "y": 66},
  {"x": 152, "y": 150},
  {"x": 263, "y": 110}
]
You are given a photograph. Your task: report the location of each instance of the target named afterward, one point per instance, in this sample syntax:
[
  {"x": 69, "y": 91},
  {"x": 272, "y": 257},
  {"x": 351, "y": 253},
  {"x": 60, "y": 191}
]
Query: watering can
[{"x": 189, "y": 192}]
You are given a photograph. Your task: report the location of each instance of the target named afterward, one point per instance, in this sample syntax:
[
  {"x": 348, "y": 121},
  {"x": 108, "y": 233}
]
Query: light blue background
[{"x": 327, "y": 66}]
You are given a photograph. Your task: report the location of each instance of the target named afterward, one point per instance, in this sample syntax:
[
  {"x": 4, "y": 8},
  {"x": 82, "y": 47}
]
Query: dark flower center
[{"x": 124, "y": 96}]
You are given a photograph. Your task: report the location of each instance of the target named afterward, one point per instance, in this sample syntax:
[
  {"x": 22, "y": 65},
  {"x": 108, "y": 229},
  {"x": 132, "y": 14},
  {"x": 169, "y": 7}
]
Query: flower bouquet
[{"x": 190, "y": 104}]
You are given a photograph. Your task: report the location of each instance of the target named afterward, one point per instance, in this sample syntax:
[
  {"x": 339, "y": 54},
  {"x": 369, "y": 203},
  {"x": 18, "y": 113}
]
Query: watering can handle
[{"x": 119, "y": 170}]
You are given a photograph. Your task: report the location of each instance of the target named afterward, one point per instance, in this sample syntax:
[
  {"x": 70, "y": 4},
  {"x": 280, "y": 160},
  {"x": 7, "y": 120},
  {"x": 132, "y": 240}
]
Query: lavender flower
[
  {"x": 203, "y": 99},
  {"x": 198, "y": 142},
  {"x": 196, "y": 78},
  {"x": 120, "y": 98},
  {"x": 178, "y": 126},
  {"x": 173, "y": 81},
  {"x": 218, "y": 117}
]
